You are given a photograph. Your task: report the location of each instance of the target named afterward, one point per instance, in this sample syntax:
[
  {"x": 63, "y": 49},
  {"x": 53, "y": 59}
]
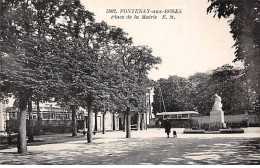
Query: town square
[{"x": 129, "y": 82}]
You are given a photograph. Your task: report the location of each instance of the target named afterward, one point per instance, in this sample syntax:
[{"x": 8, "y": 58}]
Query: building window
[
  {"x": 67, "y": 116},
  {"x": 52, "y": 116},
  {"x": 34, "y": 116}
]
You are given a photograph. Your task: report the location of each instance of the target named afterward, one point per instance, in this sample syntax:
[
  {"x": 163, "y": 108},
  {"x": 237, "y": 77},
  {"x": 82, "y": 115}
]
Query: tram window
[
  {"x": 179, "y": 115},
  {"x": 174, "y": 116},
  {"x": 185, "y": 116},
  {"x": 166, "y": 116}
]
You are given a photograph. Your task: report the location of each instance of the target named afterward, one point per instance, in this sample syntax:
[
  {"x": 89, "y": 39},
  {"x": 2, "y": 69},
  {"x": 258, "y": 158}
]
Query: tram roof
[{"x": 178, "y": 112}]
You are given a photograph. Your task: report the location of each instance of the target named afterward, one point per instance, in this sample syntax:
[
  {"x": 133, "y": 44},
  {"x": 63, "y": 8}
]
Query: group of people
[{"x": 168, "y": 127}]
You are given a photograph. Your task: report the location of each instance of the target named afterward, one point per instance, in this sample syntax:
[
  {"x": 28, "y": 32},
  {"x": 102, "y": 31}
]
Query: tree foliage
[
  {"x": 55, "y": 49},
  {"x": 176, "y": 92},
  {"x": 196, "y": 92},
  {"x": 245, "y": 25}
]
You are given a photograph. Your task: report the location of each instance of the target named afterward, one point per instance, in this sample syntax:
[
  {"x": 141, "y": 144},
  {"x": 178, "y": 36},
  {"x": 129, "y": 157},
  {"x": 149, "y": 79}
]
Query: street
[{"x": 145, "y": 147}]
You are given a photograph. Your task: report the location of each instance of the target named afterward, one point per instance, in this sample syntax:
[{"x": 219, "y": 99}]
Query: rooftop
[{"x": 178, "y": 112}]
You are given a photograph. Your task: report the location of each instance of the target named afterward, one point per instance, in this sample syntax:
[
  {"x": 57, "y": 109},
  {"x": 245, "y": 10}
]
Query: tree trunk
[
  {"x": 73, "y": 121},
  {"x": 30, "y": 121},
  {"x": 39, "y": 117},
  {"x": 90, "y": 131},
  {"x": 145, "y": 121},
  {"x": 138, "y": 121},
  {"x": 21, "y": 142},
  {"x": 124, "y": 122},
  {"x": 114, "y": 124},
  {"x": 128, "y": 123},
  {"x": 142, "y": 121},
  {"x": 104, "y": 123},
  {"x": 95, "y": 127}
]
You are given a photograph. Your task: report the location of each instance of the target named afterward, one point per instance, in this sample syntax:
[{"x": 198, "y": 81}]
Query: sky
[{"x": 192, "y": 42}]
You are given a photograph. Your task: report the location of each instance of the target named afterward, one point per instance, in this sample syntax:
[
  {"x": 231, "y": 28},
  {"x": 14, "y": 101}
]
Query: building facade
[
  {"x": 52, "y": 114},
  {"x": 149, "y": 100},
  {"x": 2, "y": 117}
]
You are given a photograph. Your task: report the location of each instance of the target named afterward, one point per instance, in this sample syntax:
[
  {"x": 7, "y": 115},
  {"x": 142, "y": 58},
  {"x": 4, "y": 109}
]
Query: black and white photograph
[{"x": 129, "y": 82}]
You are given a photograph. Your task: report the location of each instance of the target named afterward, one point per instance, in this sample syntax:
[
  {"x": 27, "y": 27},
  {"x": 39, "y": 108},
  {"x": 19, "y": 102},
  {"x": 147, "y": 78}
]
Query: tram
[{"x": 179, "y": 119}]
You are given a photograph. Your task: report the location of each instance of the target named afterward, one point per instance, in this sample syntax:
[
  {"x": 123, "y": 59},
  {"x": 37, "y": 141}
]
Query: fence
[
  {"x": 45, "y": 126},
  {"x": 233, "y": 121},
  {"x": 218, "y": 125}
]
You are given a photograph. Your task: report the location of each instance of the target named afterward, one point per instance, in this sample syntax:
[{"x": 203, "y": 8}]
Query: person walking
[{"x": 168, "y": 127}]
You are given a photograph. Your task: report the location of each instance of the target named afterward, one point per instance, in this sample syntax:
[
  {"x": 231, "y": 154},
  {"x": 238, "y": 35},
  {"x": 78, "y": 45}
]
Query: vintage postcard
[{"x": 129, "y": 82}]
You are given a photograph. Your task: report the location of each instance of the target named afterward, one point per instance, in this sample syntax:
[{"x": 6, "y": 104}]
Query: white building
[
  {"x": 2, "y": 117},
  {"x": 50, "y": 111},
  {"x": 149, "y": 101},
  {"x": 110, "y": 119}
]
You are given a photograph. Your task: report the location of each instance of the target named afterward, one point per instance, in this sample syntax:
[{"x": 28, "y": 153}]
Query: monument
[
  {"x": 217, "y": 114},
  {"x": 217, "y": 124}
]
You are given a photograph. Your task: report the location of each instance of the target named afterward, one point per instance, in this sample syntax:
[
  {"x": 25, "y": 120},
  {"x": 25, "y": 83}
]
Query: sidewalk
[
  {"x": 119, "y": 135},
  {"x": 145, "y": 147}
]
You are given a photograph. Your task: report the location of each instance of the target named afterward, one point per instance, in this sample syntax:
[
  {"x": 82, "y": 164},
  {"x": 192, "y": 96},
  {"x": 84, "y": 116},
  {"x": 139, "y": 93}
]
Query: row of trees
[
  {"x": 54, "y": 50},
  {"x": 197, "y": 92}
]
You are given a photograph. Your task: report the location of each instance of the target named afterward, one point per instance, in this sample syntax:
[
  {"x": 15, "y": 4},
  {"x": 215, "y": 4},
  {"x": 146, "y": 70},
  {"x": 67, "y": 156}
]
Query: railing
[
  {"x": 218, "y": 125},
  {"x": 46, "y": 126}
]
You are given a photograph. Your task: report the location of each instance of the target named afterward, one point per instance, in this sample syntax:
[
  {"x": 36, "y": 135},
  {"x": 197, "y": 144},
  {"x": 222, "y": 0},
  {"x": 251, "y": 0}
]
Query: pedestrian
[
  {"x": 174, "y": 134},
  {"x": 159, "y": 124},
  {"x": 168, "y": 127},
  {"x": 9, "y": 137}
]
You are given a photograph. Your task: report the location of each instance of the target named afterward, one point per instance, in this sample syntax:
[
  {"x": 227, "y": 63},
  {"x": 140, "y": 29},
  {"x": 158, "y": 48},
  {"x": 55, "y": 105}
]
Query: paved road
[{"x": 146, "y": 147}]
